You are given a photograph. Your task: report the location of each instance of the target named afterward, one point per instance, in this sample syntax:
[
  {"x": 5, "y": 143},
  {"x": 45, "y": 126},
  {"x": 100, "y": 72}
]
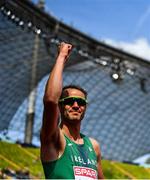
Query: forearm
[{"x": 55, "y": 81}]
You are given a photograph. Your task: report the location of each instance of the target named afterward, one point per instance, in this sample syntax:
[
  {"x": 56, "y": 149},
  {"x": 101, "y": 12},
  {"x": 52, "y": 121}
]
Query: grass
[
  {"x": 15, "y": 157},
  {"x": 19, "y": 158}
]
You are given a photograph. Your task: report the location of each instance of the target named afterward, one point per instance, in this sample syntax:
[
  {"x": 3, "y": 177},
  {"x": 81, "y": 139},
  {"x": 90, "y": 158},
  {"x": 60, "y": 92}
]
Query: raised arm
[{"x": 52, "y": 94}]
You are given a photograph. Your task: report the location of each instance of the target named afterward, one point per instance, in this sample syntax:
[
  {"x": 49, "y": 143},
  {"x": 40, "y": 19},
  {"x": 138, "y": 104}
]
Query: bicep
[
  {"x": 98, "y": 154},
  {"x": 50, "y": 121},
  {"x": 99, "y": 167}
]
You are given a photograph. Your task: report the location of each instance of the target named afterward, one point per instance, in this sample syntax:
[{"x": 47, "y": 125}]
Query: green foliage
[
  {"x": 138, "y": 172},
  {"x": 110, "y": 171},
  {"x": 15, "y": 157}
]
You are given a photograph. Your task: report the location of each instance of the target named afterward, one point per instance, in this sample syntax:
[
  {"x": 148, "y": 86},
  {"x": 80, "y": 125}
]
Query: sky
[{"x": 124, "y": 24}]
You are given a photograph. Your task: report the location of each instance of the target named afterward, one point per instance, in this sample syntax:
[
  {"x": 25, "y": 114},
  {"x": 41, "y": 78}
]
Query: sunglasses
[{"x": 70, "y": 101}]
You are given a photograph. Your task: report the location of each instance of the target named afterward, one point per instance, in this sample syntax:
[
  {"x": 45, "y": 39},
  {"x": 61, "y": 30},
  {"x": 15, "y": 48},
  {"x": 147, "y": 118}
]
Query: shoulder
[
  {"x": 96, "y": 146},
  {"x": 53, "y": 149},
  {"x": 94, "y": 142}
]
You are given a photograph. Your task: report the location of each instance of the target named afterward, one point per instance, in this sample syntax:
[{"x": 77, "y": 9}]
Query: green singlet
[{"x": 77, "y": 162}]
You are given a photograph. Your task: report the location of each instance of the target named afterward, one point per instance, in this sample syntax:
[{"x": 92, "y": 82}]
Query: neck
[{"x": 71, "y": 130}]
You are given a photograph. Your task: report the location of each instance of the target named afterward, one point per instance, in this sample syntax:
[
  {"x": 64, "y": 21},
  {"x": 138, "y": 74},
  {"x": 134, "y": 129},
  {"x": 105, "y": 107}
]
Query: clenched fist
[{"x": 64, "y": 50}]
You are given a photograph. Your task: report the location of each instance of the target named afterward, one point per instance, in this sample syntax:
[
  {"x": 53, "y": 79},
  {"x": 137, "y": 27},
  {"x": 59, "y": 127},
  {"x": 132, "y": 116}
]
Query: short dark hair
[{"x": 73, "y": 86}]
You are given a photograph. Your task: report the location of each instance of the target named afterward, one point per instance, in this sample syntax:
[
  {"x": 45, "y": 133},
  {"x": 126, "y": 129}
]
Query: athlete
[{"x": 65, "y": 152}]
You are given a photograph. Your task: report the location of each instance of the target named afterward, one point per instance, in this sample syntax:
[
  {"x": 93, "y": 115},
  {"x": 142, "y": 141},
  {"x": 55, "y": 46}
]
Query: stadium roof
[
  {"x": 51, "y": 27},
  {"x": 28, "y": 45}
]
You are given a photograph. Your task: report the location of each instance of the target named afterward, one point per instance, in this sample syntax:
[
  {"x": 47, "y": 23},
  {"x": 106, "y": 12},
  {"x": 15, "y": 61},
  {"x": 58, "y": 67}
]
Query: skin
[
  {"x": 74, "y": 113},
  {"x": 52, "y": 137}
]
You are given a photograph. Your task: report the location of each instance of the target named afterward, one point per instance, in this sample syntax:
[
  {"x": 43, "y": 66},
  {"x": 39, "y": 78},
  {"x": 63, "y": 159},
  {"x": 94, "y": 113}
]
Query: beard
[{"x": 73, "y": 116}]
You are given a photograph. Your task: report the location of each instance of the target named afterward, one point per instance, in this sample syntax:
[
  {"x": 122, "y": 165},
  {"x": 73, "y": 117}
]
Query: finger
[{"x": 70, "y": 46}]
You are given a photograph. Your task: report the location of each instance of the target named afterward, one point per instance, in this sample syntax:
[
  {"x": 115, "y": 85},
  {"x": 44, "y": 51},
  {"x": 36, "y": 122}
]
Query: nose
[{"x": 75, "y": 105}]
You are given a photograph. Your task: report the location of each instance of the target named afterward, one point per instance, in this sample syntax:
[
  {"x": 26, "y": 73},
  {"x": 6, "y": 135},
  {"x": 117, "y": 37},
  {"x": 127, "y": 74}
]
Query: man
[{"x": 65, "y": 152}]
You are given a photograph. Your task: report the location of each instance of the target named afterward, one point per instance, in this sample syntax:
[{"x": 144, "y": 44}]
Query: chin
[{"x": 75, "y": 118}]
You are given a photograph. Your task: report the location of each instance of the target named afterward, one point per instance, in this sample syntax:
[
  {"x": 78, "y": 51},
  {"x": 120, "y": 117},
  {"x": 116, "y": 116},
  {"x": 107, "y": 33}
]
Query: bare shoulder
[
  {"x": 96, "y": 145},
  {"x": 53, "y": 149}
]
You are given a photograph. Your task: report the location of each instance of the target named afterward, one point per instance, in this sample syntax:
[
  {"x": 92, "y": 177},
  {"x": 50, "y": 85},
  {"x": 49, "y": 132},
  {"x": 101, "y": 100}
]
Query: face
[{"x": 73, "y": 112}]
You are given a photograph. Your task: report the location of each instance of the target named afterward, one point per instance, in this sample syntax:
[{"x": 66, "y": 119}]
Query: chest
[{"x": 81, "y": 155}]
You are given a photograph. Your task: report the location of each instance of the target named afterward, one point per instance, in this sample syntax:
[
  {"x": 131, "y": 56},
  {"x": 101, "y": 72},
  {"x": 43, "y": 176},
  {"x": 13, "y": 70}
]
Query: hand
[{"x": 64, "y": 50}]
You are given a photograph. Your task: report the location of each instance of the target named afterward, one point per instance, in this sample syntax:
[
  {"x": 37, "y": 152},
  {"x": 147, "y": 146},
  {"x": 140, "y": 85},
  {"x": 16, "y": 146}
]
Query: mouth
[{"x": 75, "y": 113}]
